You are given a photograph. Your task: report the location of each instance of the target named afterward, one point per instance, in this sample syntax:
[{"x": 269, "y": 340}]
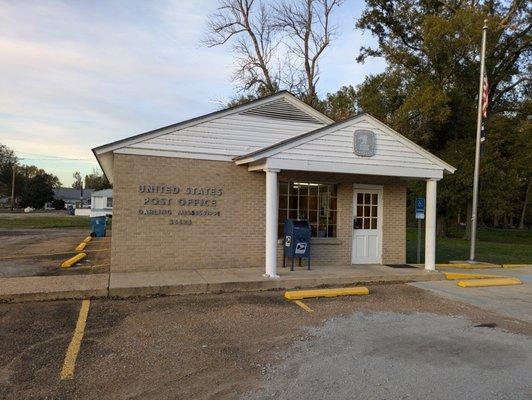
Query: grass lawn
[
  {"x": 43, "y": 221},
  {"x": 493, "y": 245}
]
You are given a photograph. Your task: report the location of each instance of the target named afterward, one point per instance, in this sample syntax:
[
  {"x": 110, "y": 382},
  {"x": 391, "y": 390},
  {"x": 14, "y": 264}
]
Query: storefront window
[{"x": 316, "y": 202}]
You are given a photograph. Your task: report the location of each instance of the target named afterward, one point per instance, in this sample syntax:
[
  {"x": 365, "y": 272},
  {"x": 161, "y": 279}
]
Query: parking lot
[
  {"x": 32, "y": 252},
  {"x": 398, "y": 342}
]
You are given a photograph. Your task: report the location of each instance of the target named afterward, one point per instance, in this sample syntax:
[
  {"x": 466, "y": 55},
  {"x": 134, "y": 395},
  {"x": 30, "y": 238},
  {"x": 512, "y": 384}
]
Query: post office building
[{"x": 216, "y": 191}]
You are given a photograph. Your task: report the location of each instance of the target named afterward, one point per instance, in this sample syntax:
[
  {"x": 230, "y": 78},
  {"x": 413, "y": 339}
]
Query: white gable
[
  {"x": 332, "y": 150},
  {"x": 222, "y": 135},
  {"x": 226, "y": 137}
]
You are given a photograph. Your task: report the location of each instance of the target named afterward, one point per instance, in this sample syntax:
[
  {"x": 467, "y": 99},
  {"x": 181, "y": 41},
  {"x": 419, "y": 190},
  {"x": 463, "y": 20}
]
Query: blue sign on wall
[{"x": 420, "y": 208}]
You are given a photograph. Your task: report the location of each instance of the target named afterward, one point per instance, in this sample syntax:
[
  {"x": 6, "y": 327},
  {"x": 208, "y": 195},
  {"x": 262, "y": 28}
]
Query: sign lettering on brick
[{"x": 200, "y": 201}]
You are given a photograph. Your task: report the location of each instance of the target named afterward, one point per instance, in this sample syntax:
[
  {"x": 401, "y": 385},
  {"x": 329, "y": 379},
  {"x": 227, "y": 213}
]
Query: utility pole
[
  {"x": 474, "y": 216},
  {"x": 13, "y": 188}
]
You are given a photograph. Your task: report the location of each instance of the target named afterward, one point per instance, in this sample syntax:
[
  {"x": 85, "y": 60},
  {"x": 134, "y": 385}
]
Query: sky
[{"x": 78, "y": 74}]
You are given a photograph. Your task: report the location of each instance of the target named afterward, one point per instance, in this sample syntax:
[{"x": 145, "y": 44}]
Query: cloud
[{"x": 77, "y": 74}]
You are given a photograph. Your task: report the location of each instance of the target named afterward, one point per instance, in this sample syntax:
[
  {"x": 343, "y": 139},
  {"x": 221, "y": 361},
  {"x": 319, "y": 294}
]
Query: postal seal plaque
[{"x": 364, "y": 143}]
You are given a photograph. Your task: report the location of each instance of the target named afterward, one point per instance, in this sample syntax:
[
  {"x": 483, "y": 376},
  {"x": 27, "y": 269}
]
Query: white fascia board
[
  {"x": 173, "y": 154},
  {"x": 324, "y": 131},
  {"x": 410, "y": 144},
  {"x": 258, "y": 166},
  {"x": 106, "y": 162},
  {"x": 342, "y": 168}
]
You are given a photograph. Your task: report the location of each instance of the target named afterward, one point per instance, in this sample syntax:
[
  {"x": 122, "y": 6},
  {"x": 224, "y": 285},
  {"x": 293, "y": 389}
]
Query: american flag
[{"x": 485, "y": 93}]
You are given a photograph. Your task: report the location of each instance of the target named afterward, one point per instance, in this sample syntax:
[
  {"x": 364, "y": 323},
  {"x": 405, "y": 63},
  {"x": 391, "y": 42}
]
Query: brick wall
[{"x": 235, "y": 238}]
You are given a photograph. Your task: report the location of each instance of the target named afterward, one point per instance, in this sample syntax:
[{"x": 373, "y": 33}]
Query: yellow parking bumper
[
  {"x": 489, "y": 282},
  {"x": 305, "y": 294}
]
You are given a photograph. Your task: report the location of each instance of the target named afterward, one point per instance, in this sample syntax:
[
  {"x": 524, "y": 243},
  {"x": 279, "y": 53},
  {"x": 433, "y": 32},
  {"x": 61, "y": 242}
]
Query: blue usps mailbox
[{"x": 296, "y": 241}]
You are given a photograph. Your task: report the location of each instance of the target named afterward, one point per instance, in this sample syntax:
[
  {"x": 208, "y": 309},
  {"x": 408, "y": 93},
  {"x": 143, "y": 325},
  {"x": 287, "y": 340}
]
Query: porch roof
[{"x": 331, "y": 149}]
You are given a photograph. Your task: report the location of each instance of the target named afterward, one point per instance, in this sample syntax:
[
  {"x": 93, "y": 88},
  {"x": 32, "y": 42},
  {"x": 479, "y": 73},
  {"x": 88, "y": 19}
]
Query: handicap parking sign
[{"x": 420, "y": 208}]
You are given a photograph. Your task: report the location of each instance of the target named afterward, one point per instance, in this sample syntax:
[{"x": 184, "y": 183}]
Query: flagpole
[{"x": 477, "y": 149}]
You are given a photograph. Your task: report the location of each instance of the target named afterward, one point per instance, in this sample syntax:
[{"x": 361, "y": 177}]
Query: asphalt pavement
[{"x": 398, "y": 342}]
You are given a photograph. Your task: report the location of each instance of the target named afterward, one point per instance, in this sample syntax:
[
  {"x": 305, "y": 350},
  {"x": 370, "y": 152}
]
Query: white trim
[
  {"x": 173, "y": 154},
  {"x": 360, "y": 169},
  {"x": 380, "y": 191},
  {"x": 258, "y": 166},
  {"x": 306, "y": 137}
]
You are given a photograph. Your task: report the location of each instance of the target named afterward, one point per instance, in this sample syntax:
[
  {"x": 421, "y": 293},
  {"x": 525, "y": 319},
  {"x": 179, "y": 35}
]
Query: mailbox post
[{"x": 296, "y": 241}]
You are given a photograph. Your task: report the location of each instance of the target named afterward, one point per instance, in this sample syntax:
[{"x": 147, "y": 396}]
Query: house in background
[
  {"x": 102, "y": 203},
  {"x": 77, "y": 198}
]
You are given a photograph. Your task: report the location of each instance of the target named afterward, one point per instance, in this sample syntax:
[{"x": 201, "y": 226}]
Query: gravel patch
[{"x": 387, "y": 355}]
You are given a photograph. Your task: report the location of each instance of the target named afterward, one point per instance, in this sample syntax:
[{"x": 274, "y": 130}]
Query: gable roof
[
  {"x": 223, "y": 134},
  {"x": 293, "y": 142},
  {"x": 72, "y": 194},
  {"x": 103, "y": 193},
  {"x": 315, "y": 116}
]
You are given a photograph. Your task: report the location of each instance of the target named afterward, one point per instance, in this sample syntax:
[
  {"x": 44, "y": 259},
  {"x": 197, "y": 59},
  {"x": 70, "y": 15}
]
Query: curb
[{"x": 102, "y": 286}]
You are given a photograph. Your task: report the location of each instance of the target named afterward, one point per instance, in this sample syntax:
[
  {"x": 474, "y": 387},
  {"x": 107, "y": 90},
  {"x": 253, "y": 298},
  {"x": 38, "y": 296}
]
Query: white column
[
  {"x": 430, "y": 226},
  {"x": 272, "y": 211}
]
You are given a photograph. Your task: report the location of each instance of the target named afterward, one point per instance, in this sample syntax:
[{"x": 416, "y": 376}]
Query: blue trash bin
[
  {"x": 71, "y": 210},
  {"x": 98, "y": 226}
]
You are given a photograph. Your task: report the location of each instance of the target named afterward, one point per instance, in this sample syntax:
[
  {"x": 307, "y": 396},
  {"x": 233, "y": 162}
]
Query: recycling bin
[
  {"x": 296, "y": 241},
  {"x": 98, "y": 226}
]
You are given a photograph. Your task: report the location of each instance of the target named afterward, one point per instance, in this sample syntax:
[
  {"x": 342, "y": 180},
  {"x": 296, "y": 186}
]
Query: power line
[
  {"x": 57, "y": 159},
  {"x": 50, "y": 157}
]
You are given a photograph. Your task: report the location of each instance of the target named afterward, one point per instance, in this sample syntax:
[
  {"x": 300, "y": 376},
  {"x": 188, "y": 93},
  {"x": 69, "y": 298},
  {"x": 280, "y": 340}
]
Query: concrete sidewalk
[
  {"x": 200, "y": 281},
  {"x": 30, "y": 288},
  {"x": 511, "y": 301}
]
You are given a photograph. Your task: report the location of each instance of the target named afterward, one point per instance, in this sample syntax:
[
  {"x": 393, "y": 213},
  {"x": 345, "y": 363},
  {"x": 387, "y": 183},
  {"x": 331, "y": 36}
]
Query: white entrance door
[{"x": 367, "y": 225}]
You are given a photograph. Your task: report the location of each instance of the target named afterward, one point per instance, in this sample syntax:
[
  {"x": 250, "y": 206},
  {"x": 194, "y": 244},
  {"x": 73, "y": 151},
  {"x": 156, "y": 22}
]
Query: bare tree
[
  {"x": 307, "y": 24},
  {"x": 276, "y": 46},
  {"x": 251, "y": 30}
]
